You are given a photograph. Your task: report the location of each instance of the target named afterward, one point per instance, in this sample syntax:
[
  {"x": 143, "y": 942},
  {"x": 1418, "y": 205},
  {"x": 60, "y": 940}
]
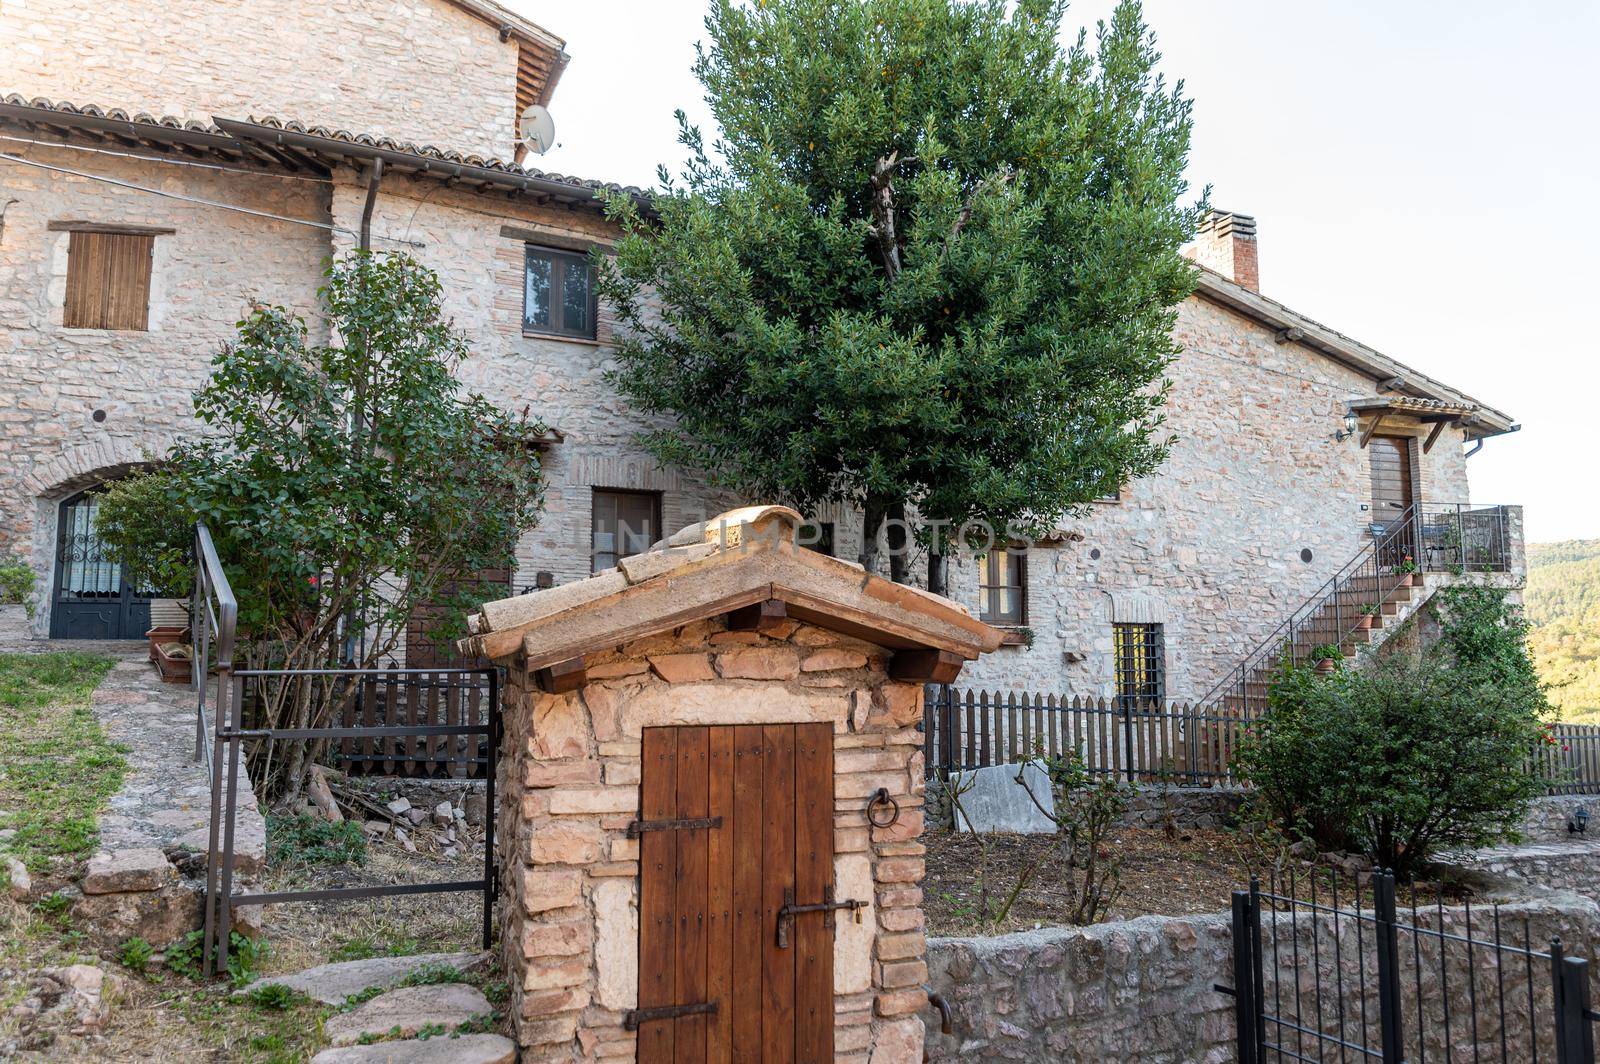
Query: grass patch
[
  {"x": 57, "y": 768},
  {"x": 365, "y": 947}
]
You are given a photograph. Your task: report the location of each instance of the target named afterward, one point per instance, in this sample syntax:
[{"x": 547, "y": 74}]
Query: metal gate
[
  {"x": 91, "y": 599},
  {"x": 1329, "y": 967}
]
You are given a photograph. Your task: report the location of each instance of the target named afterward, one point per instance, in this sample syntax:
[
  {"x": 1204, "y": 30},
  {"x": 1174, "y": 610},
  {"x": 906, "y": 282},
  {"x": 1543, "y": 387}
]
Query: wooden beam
[
  {"x": 1433, "y": 437},
  {"x": 1372, "y": 427},
  {"x": 761, "y": 617},
  {"x": 562, "y": 677},
  {"x": 926, "y": 666},
  {"x": 1292, "y": 335}
]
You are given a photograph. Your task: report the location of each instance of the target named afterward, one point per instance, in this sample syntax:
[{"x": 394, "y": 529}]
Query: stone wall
[
  {"x": 1211, "y": 547},
  {"x": 1142, "y": 991},
  {"x": 54, "y": 379},
  {"x": 421, "y": 70},
  {"x": 569, "y": 786}
]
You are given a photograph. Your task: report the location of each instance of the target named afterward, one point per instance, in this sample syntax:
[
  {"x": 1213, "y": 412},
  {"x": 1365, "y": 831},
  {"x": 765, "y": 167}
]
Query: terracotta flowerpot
[
  {"x": 175, "y": 661},
  {"x": 1407, "y": 579},
  {"x": 1364, "y": 621},
  {"x": 1325, "y": 665},
  {"x": 166, "y": 633}
]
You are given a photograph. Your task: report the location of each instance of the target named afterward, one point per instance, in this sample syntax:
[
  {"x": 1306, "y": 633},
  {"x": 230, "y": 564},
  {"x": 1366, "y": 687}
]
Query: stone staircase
[{"x": 1360, "y": 606}]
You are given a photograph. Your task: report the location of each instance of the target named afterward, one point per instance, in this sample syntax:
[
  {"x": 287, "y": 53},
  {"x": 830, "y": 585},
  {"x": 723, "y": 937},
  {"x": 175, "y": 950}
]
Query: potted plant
[
  {"x": 1326, "y": 658},
  {"x": 1406, "y": 571},
  {"x": 1368, "y": 617},
  {"x": 167, "y": 633}
]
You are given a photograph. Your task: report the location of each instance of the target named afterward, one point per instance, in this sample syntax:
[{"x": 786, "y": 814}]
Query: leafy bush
[
  {"x": 16, "y": 584},
  {"x": 244, "y": 956},
  {"x": 149, "y": 531},
  {"x": 135, "y": 954},
  {"x": 1084, "y": 810},
  {"x": 305, "y": 839},
  {"x": 1403, "y": 756}
]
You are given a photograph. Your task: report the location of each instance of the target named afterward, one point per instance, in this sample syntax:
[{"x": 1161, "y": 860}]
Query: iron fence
[{"x": 1333, "y": 967}]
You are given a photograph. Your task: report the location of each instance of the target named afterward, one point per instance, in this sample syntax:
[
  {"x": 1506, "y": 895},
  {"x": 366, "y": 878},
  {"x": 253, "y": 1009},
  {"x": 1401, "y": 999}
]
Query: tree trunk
[
  {"x": 899, "y": 537},
  {"x": 871, "y": 521},
  {"x": 937, "y": 572}
]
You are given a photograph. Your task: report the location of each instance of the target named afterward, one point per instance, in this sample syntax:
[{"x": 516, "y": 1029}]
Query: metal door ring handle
[{"x": 883, "y": 798}]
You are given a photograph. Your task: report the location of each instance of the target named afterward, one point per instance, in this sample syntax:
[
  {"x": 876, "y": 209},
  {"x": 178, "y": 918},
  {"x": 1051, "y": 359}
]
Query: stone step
[
  {"x": 403, "y": 1013},
  {"x": 465, "y": 1049},
  {"x": 331, "y": 984}
]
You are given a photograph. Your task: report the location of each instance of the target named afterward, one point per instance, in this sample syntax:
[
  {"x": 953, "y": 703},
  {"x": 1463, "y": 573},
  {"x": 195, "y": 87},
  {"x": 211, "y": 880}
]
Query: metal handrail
[
  {"x": 214, "y": 616},
  {"x": 1368, "y": 561}
]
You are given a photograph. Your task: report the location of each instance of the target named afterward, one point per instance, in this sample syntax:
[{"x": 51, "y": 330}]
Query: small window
[
  {"x": 1003, "y": 588},
  {"x": 817, "y": 536},
  {"x": 108, "y": 280},
  {"x": 558, "y": 293},
  {"x": 624, "y": 523},
  {"x": 1141, "y": 664},
  {"x": 1111, "y": 499}
]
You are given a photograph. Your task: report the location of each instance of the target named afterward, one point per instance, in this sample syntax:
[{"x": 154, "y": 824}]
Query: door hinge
[
  {"x": 639, "y": 827},
  {"x": 634, "y": 1017}
]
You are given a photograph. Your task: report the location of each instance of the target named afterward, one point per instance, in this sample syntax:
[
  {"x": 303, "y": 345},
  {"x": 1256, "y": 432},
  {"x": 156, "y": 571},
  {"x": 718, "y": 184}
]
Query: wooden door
[
  {"x": 1392, "y": 497},
  {"x": 737, "y": 824}
]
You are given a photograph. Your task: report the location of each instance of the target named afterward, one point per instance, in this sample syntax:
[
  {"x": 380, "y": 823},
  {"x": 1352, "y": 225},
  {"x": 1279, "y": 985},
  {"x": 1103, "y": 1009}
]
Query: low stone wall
[
  {"x": 1571, "y": 864},
  {"x": 1548, "y": 818},
  {"x": 1142, "y": 991}
]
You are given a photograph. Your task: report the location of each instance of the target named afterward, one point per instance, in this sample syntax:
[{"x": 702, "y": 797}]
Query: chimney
[{"x": 1226, "y": 243}]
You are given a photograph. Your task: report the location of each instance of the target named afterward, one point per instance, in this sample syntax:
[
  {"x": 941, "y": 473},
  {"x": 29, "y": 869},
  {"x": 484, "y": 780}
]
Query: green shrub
[
  {"x": 135, "y": 954},
  {"x": 16, "y": 584},
  {"x": 149, "y": 531},
  {"x": 1395, "y": 760},
  {"x": 244, "y": 956},
  {"x": 275, "y": 997},
  {"x": 303, "y": 839}
]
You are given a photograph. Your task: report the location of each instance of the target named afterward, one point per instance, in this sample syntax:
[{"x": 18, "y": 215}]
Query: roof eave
[{"x": 1349, "y": 353}]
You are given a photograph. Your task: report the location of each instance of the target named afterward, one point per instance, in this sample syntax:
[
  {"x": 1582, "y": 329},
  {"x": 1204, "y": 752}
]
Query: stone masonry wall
[
  {"x": 53, "y": 379},
  {"x": 1211, "y": 546},
  {"x": 569, "y": 786},
  {"x": 1142, "y": 991},
  {"x": 417, "y": 70}
]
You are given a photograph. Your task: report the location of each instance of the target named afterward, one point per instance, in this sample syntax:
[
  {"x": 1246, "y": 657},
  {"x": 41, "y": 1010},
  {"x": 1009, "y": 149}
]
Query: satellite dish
[{"x": 537, "y": 129}]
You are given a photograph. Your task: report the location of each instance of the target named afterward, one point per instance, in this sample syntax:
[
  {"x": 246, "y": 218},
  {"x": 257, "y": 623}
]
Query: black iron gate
[
  {"x": 91, "y": 599},
  {"x": 1328, "y": 967},
  {"x": 428, "y": 739}
]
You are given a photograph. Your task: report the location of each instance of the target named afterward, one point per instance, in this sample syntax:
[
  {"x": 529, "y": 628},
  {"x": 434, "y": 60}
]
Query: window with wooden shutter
[
  {"x": 624, "y": 523},
  {"x": 1003, "y": 588},
  {"x": 108, "y": 280}
]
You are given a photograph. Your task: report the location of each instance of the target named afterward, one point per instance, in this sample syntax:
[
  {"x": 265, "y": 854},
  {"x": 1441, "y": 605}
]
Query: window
[
  {"x": 1141, "y": 663},
  {"x": 624, "y": 523},
  {"x": 558, "y": 293},
  {"x": 1003, "y": 588},
  {"x": 108, "y": 280}
]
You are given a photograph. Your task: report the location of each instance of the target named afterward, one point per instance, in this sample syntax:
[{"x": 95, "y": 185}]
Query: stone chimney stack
[{"x": 1226, "y": 243}]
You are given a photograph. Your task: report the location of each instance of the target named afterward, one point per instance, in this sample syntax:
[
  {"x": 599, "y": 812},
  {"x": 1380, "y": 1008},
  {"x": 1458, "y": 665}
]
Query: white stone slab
[{"x": 996, "y": 802}]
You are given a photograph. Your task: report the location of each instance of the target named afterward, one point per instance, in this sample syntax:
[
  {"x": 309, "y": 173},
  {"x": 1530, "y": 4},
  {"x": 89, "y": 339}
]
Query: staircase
[{"x": 1369, "y": 594}]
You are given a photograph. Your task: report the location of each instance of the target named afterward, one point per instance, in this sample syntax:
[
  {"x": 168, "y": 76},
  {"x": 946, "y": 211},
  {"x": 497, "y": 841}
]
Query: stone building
[{"x": 156, "y": 179}]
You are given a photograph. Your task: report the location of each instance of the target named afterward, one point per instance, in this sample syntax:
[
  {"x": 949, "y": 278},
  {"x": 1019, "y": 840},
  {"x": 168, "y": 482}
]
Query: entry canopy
[{"x": 744, "y": 564}]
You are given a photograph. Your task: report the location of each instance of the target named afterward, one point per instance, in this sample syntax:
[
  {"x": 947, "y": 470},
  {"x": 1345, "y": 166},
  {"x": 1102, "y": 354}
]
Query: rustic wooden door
[
  {"x": 1392, "y": 496},
  {"x": 737, "y": 828}
]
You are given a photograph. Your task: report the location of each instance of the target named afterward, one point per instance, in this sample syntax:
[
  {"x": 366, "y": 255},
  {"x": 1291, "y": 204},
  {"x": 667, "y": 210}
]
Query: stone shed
[{"x": 711, "y": 791}]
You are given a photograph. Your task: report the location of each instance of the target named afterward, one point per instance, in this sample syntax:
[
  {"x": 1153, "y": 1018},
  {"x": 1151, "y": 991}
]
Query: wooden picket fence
[
  {"x": 1138, "y": 741},
  {"x": 1571, "y": 760},
  {"x": 1152, "y": 742}
]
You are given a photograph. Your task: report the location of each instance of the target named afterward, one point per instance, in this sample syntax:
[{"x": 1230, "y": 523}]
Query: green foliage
[
  {"x": 1085, "y": 810},
  {"x": 245, "y": 955},
  {"x": 54, "y": 904},
  {"x": 931, "y": 262},
  {"x": 16, "y": 584},
  {"x": 306, "y": 839},
  {"x": 1563, "y": 608},
  {"x": 363, "y": 947},
  {"x": 1396, "y": 759},
  {"x": 275, "y": 997},
  {"x": 135, "y": 953},
  {"x": 57, "y": 767},
  {"x": 148, "y": 529},
  {"x": 349, "y": 477}
]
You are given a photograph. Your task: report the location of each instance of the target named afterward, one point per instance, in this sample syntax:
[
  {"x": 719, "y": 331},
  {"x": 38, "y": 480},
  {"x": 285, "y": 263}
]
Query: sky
[{"x": 1423, "y": 176}]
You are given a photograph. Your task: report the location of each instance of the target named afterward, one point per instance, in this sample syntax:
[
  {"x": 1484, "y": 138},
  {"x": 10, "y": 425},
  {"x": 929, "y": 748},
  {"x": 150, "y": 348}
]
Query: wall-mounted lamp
[
  {"x": 1579, "y": 822},
  {"x": 1351, "y": 425}
]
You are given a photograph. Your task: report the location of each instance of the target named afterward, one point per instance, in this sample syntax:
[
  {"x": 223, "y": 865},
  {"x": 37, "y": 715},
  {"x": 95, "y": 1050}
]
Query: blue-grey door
[{"x": 92, "y": 600}]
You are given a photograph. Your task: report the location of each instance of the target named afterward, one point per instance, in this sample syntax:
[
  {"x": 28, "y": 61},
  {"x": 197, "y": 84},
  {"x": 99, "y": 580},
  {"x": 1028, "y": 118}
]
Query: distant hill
[{"x": 1563, "y": 607}]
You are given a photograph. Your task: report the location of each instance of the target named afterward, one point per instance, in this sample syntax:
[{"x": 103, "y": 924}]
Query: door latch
[{"x": 790, "y": 910}]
